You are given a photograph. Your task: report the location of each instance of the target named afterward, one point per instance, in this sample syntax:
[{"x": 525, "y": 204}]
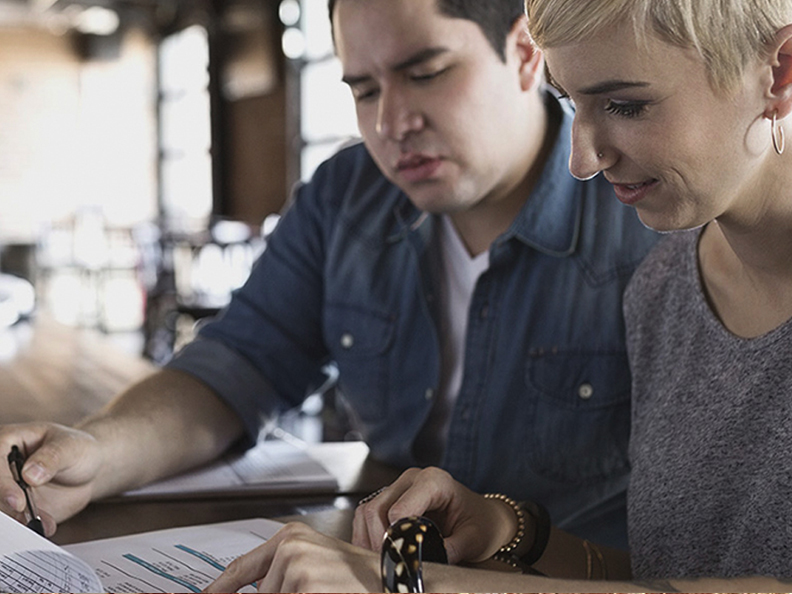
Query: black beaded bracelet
[{"x": 542, "y": 524}]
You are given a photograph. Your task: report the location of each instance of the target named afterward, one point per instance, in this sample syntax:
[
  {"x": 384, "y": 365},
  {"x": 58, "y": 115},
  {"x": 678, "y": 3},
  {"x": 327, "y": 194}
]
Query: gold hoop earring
[{"x": 777, "y": 133}]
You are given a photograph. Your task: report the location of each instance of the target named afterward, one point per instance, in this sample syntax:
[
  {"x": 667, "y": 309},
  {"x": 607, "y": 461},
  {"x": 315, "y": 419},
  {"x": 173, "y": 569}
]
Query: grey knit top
[{"x": 711, "y": 444}]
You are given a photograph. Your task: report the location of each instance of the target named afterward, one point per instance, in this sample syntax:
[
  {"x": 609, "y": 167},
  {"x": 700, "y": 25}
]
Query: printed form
[{"x": 174, "y": 560}]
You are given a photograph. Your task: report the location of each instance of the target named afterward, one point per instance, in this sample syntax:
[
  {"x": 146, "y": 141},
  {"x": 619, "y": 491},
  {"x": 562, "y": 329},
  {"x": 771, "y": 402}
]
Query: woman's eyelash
[{"x": 631, "y": 109}]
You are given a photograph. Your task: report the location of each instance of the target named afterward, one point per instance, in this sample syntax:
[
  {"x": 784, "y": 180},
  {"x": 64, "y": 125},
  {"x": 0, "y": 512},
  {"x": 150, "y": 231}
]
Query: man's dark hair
[{"x": 495, "y": 18}]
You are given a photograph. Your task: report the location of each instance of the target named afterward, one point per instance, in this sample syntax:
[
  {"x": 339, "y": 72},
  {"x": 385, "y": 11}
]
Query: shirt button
[
  {"x": 484, "y": 312},
  {"x": 429, "y": 394},
  {"x": 586, "y": 391},
  {"x": 347, "y": 340}
]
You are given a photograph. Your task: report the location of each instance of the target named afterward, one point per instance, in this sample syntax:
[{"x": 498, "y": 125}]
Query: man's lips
[
  {"x": 416, "y": 168},
  {"x": 632, "y": 193}
]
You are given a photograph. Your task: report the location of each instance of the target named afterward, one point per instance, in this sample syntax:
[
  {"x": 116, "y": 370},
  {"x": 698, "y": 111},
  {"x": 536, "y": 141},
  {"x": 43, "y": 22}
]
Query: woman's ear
[
  {"x": 780, "y": 94},
  {"x": 530, "y": 56}
]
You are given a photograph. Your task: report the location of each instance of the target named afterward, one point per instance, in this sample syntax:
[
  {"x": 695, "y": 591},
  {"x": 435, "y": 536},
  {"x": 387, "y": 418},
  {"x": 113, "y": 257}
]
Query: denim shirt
[{"x": 349, "y": 276}]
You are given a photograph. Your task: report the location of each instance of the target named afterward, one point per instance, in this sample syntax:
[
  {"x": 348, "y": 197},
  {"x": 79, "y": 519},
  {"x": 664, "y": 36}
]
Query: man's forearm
[{"x": 166, "y": 423}]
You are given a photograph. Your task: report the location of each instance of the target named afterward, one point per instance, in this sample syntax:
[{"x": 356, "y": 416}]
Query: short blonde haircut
[{"x": 728, "y": 34}]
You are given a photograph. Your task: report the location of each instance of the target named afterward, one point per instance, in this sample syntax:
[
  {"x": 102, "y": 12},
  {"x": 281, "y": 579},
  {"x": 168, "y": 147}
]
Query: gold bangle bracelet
[
  {"x": 601, "y": 559},
  {"x": 603, "y": 570},
  {"x": 589, "y": 568}
]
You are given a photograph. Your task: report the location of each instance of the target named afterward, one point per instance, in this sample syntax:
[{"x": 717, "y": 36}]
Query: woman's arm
[
  {"x": 299, "y": 559},
  {"x": 475, "y": 527},
  {"x": 446, "y": 578}
]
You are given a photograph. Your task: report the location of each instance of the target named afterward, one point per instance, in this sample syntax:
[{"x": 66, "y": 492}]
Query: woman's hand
[
  {"x": 299, "y": 559},
  {"x": 474, "y": 527}
]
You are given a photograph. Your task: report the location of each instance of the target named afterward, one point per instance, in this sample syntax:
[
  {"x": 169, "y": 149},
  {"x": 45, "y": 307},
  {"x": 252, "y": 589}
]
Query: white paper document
[
  {"x": 271, "y": 466},
  {"x": 174, "y": 560},
  {"x": 31, "y": 563}
]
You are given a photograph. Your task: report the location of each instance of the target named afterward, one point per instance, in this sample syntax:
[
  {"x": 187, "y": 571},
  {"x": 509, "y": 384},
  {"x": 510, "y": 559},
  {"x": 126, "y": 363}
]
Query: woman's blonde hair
[{"x": 728, "y": 34}]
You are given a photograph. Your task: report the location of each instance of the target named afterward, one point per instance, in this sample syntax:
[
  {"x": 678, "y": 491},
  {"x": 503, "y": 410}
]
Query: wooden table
[
  {"x": 50, "y": 372},
  {"x": 330, "y": 513}
]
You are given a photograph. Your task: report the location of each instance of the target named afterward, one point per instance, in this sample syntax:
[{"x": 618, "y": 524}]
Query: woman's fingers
[
  {"x": 432, "y": 490},
  {"x": 299, "y": 559},
  {"x": 373, "y": 517},
  {"x": 254, "y": 565}
]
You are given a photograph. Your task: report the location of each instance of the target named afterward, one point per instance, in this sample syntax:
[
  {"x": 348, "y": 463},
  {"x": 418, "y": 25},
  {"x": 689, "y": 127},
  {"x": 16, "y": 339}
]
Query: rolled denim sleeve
[
  {"x": 210, "y": 361},
  {"x": 265, "y": 351}
]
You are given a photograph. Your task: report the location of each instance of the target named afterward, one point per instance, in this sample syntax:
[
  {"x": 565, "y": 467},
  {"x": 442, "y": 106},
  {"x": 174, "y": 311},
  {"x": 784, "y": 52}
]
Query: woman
[{"x": 681, "y": 104}]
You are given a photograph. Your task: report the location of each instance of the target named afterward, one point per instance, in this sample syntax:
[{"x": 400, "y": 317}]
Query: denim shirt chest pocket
[
  {"x": 581, "y": 425},
  {"x": 360, "y": 340}
]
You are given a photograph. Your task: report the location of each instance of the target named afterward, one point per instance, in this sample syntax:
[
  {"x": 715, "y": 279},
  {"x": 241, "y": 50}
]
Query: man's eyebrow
[
  {"x": 415, "y": 59},
  {"x": 609, "y": 86}
]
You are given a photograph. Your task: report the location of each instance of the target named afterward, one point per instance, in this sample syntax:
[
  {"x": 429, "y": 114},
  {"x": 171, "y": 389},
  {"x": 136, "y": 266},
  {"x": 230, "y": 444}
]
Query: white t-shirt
[{"x": 460, "y": 272}]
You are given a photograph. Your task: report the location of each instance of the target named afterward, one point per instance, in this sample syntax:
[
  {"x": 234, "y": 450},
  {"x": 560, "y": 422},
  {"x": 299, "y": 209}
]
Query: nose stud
[{"x": 599, "y": 155}]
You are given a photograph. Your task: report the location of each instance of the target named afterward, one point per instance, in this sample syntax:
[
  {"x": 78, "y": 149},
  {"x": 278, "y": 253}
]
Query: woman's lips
[
  {"x": 418, "y": 168},
  {"x": 631, "y": 194}
]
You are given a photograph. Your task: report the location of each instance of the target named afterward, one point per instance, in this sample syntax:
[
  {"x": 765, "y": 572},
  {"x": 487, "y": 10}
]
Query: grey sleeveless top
[{"x": 711, "y": 443}]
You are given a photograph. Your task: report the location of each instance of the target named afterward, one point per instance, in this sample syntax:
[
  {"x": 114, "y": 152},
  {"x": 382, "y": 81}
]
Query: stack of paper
[
  {"x": 174, "y": 560},
  {"x": 271, "y": 466}
]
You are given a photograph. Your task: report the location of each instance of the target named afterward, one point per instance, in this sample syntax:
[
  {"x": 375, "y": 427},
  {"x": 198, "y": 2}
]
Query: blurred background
[{"x": 146, "y": 148}]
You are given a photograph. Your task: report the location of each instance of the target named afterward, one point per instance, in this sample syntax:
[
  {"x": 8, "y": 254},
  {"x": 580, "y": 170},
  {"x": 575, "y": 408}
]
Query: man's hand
[
  {"x": 162, "y": 425},
  {"x": 474, "y": 527},
  {"x": 61, "y": 465}
]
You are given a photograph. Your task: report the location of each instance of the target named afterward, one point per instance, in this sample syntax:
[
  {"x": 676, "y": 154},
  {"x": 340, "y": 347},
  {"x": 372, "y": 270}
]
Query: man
[{"x": 467, "y": 288}]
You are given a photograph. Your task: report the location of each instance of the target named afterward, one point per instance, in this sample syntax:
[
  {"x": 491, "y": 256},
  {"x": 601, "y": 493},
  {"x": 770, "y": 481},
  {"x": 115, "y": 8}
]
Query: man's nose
[{"x": 396, "y": 118}]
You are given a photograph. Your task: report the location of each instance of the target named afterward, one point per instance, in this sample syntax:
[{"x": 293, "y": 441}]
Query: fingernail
[
  {"x": 12, "y": 502},
  {"x": 35, "y": 473}
]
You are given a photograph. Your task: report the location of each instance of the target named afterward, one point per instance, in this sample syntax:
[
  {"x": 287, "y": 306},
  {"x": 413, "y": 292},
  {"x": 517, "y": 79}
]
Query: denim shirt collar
[
  {"x": 408, "y": 219},
  {"x": 549, "y": 221}
]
